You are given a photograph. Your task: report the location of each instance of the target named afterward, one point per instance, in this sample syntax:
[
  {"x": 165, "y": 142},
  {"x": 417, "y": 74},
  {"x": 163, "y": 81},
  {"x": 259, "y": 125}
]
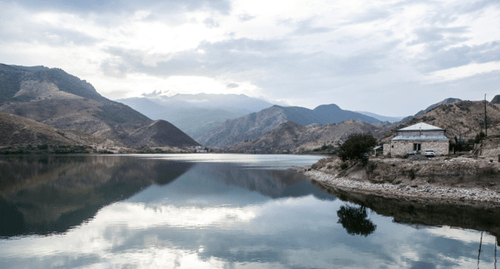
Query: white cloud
[
  {"x": 296, "y": 51},
  {"x": 462, "y": 72}
]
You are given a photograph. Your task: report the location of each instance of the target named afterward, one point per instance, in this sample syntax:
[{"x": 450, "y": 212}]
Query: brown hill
[
  {"x": 295, "y": 138},
  {"x": 15, "y": 130},
  {"x": 496, "y": 99},
  {"x": 20, "y": 131},
  {"x": 464, "y": 118},
  {"x": 55, "y": 98},
  {"x": 255, "y": 125},
  {"x": 160, "y": 133}
]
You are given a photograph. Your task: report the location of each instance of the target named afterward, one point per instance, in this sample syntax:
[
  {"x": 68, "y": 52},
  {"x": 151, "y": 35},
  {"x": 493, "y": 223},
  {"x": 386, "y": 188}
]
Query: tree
[{"x": 356, "y": 146}]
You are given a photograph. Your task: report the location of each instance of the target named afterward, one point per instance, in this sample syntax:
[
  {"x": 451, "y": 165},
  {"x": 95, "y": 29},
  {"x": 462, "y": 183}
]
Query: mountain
[
  {"x": 255, "y": 125},
  {"x": 380, "y": 117},
  {"x": 292, "y": 137},
  {"x": 53, "y": 97},
  {"x": 431, "y": 107},
  {"x": 160, "y": 133},
  {"x": 496, "y": 99},
  {"x": 195, "y": 114},
  {"x": 465, "y": 118},
  {"x": 15, "y": 130},
  {"x": 238, "y": 103}
]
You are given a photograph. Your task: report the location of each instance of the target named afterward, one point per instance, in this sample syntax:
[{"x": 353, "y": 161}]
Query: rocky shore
[{"x": 461, "y": 181}]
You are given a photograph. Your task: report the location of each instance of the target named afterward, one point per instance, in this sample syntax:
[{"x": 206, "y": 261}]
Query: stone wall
[
  {"x": 404, "y": 147},
  {"x": 401, "y": 148},
  {"x": 387, "y": 149}
]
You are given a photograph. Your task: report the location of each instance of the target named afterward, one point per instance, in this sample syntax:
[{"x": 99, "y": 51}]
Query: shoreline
[{"x": 424, "y": 192}]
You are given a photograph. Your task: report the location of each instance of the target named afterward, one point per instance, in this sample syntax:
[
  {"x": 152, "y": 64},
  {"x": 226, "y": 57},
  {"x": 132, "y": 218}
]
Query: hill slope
[
  {"x": 295, "y": 138},
  {"x": 55, "y": 98},
  {"x": 160, "y": 133},
  {"x": 255, "y": 125},
  {"x": 429, "y": 108},
  {"x": 462, "y": 117}
]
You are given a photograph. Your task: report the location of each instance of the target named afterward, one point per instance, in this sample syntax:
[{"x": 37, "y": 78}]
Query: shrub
[
  {"x": 344, "y": 165},
  {"x": 371, "y": 168},
  {"x": 411, "y": 173},
  {"x": 356, "y": 146}
]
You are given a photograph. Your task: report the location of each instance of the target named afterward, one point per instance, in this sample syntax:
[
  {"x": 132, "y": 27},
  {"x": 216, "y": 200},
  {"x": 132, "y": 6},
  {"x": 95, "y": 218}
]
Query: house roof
[
  {"x": 420, "y": 138},
  {"x": 421, "y": 127}
]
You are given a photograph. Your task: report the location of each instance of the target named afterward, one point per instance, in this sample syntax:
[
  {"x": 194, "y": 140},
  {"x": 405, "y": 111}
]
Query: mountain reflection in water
[
  {"x": 51, "y": 194},
  {"x": 217, "y": 211}
]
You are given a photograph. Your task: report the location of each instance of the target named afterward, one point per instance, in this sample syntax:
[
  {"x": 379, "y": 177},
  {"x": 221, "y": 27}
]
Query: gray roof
[
  {"x": 420, "y": 138},
  {"x": 421, "y": 127}
]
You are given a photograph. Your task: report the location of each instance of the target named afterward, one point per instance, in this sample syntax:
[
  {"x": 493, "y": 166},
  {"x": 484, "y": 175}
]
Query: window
[{"x": 417, "y": 146}]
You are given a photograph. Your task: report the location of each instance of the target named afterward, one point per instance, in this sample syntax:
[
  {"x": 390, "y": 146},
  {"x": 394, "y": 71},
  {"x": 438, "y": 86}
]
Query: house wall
[
  {"x": 401, "y": 147},
  {"x": 404, "y": 147},
  {"x": 387, "y": 149}
]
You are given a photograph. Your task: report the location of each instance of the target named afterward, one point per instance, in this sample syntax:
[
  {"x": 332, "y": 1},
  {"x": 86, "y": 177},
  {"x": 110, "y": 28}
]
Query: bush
[
  {"x": 344, "y": 165},
  {"x": 479, "y": 137},
  {"x": 356, "y": 146},
  {"x": 412, "y": 174}
]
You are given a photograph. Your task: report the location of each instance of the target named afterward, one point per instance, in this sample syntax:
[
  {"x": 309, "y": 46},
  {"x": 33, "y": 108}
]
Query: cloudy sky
[{"x": 388, "y": 57}]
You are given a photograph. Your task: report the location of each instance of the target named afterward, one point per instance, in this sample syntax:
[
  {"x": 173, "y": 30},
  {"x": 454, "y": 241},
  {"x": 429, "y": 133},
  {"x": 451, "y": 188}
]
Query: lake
[{"x": 220, "y": 211}]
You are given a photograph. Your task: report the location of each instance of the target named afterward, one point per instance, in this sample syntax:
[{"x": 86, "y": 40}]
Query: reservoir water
[{"x": 220, "y": 211}]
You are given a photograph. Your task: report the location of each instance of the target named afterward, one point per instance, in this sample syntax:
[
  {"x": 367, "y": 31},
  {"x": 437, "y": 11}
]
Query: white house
[{"x": 418, "y": 137}]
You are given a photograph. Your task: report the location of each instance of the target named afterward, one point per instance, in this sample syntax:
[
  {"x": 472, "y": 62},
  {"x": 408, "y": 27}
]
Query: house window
[{"x": 417, "y": 146}]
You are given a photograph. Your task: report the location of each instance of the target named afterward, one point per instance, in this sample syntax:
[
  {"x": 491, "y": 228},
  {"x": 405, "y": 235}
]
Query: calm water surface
[{"x": 220, "y": 211}]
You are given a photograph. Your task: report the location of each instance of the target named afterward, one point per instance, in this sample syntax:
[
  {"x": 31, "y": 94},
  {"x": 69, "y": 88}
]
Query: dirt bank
[{"x": 461, "y": 180}]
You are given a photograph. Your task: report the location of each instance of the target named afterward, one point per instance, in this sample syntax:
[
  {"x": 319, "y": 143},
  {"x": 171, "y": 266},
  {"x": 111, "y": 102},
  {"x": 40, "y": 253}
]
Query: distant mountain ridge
[
  {"x": 431, "y": 107},
  {"x": 195, "y": 114},
  {"x": 380, "y": 117},
  {"x": 255, "y": 125},
  {"x": 55, "y": 98},
  {"x": 292, "y": 137}
]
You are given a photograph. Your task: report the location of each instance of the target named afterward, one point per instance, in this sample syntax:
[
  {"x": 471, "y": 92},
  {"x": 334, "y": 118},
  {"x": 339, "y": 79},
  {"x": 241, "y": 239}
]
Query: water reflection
[
  {"x": 51, "y": 194},
  {"x": 220, "y": 215},
  {"x": 418, "y": 214},
  {"x": 354, "y": 220}
]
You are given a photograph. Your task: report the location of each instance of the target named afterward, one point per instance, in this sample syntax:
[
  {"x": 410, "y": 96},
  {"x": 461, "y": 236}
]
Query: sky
[{"x": 391, "y": 57}]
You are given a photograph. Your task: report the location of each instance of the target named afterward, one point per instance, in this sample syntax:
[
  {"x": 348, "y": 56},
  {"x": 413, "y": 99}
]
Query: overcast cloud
[{"x": 387, "y": 57}]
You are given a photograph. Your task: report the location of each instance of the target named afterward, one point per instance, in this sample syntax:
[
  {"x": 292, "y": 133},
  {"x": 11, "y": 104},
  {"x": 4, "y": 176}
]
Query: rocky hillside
[
  {"x": 55, "y": 98},
  {"x": 255, "y": 125},
  {"x": 431, "y": 107},
  {"x": 160, "y": 133},
  {"x": 463, "y": 117},
  {"x": 15, "y": 130},
  {"x": 496, "y": 99},
  {"x": 295, "y": 138}
]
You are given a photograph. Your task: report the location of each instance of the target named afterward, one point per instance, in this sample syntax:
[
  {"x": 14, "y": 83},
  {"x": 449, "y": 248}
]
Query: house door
[{"x": 417, "y": 147}]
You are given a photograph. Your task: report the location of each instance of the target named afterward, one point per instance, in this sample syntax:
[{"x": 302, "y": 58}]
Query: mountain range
[
  {"x": 40, "y": 105},
  {"x": 291, "y": 137},
  {"x": 57, "y": 99},
  {"x": 255, "y": 125},
  {"x": 195, "y": 114}
]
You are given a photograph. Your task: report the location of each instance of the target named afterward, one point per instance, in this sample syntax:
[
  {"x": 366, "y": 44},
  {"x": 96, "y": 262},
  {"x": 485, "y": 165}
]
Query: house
[{"x": 418, "y": 138}]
